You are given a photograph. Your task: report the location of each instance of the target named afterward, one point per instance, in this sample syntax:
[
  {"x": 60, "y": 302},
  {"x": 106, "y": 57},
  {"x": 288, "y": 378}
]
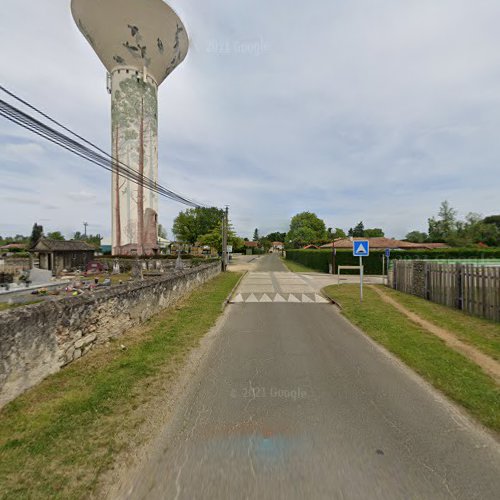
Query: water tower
[{"x": 140, "y": 43}]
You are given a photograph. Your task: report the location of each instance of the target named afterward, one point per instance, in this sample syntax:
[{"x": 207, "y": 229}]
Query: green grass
[
  {"x": 480, "y": 333},
  {"x": 449, "y": 371},
  {"x": 56, "y": 439},
  {"x": 295, "y": 267},
  {"x": 4, "y": 306}
]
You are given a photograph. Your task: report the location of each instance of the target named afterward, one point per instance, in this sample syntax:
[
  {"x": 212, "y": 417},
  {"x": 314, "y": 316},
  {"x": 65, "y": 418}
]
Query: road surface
[{"x": 294, "y": 403}]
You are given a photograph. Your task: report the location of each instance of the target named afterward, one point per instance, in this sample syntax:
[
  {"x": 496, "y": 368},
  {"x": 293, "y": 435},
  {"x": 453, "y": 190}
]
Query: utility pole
[
  {"x": 333, "y": 255},
  {"x": 85, "y": 225},
  {"x": 225, "y": 225}
]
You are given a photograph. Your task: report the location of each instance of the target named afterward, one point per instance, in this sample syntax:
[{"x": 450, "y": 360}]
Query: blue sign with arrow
[{"x": 361, "y": 248}]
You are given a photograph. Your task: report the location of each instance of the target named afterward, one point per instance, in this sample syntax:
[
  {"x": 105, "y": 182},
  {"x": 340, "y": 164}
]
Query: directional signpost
[{"x": 361, "y": 248}]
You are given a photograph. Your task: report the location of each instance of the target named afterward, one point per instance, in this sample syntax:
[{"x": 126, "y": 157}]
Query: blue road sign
[
  {"x": 387, "y": 252},
  {"x": 361, "y": 248}
]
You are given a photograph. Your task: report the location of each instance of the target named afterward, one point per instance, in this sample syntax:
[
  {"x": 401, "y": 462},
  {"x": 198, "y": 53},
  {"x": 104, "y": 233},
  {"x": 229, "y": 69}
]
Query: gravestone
[
  {"x": 137, "y": 270},
  {"x": 116, "y": 267}
]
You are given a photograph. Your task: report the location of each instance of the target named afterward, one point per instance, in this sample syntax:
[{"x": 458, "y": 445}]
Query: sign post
[
  {"x": 361, "y": 248},
  {"x": 388, "y": 257}
]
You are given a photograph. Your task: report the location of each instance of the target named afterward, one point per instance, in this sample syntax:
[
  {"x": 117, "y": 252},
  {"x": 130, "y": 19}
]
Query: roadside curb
[
  {"x": 334, "y": 302},
  {"x": 230, "y": 296}
]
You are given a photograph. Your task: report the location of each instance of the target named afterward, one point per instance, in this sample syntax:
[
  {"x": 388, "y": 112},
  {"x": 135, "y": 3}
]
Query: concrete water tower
[{"x": 140, "y": 43}]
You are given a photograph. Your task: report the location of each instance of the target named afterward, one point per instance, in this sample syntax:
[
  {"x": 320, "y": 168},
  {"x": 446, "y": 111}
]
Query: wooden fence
[{"x": 474, "y": 289}]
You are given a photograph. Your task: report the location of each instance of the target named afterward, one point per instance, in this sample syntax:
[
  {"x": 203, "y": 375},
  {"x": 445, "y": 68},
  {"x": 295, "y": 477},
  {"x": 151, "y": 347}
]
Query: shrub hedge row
[{"x": 320, "y": 259}]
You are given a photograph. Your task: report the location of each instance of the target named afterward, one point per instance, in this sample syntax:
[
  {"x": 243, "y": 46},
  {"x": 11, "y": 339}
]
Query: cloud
[
  {"x": 82, "y": 196},
  {"x": 362, "y": 110}
]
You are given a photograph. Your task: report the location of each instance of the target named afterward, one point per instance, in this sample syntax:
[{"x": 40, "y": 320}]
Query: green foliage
[
  {"x": 338, "y": 233},
  {"x": 214, "y": 238},
  {"x": 55, "y": 235},
  {"x": 36, "y": 234},
  {"x": 358, "y": 231},
  {"x": 443, "y": 227},
  {"x": 265, "y": 244},
  {"x": 375, "y": 232},
  {"x": 416, "y": 237},
  {"x": 492, "y": 219},
  {"x": 473, "y": 230},
  {"x": 91, "y": 239},
  {"x": 162, "y": 232},
  {"x": 320, "y": 259},
  {"x": 305, "y": 229},
  {"x": 276, "y": 236},
  {"x": 256, "y": 236},
  {"x": 193, "y": 223}
]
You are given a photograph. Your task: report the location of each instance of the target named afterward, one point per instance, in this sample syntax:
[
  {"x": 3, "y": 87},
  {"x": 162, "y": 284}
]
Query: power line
[{"x": 26, "y": 121}]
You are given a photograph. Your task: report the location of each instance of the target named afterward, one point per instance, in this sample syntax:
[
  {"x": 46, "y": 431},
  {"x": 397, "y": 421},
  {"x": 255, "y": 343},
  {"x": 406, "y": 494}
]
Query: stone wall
[
  {"x": 409, "y": 276},
  {"x": 39, "y": 339},
  {"x": 14, "y": 265}
]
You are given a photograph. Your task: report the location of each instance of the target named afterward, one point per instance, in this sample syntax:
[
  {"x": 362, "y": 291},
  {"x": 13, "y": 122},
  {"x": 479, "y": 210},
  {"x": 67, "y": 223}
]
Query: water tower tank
[{"x": 140, "y": 43}]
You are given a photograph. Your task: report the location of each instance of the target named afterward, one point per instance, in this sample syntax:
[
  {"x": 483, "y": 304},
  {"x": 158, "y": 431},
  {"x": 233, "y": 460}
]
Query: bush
[{"x": 320, "y": 259}]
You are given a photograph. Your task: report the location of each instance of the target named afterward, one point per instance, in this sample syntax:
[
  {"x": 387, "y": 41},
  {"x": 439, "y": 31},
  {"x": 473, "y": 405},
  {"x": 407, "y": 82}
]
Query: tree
[
  {"x": 358, "y": 231},
  {"x": 162, "y": 232},
  {"x": 36, "y": 234},
  {"x": 276, "y": 236},
  {"x": 193, "y": 223},
  {"x": 306, "y": 228},
  {"x": 375, "y": 232},
  {"x": 335, "y": 234},
  {"x": 444, "y": 227},
  {"x": 473, "y": 230},
  {"x": 214, "y": 237},
  {"x": 265, "y": 244},
  {"x": 492, "y": 219},
  {"x": 55, "y": 235},
  {"x": 256, "y": 236},
  {"x": 416, "y": 237}
]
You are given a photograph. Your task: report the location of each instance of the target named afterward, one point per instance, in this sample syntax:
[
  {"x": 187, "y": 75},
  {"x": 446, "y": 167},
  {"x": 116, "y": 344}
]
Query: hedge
[{"x": 320, "y": 259}]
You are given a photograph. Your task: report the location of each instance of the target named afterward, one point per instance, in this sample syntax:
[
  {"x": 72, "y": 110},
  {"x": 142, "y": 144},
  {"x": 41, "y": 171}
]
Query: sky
[{"x": 357, "y": 111}]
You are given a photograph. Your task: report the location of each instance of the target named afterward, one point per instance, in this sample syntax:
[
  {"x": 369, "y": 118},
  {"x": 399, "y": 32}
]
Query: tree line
[
  {"x": 37, "y": 232},
  {"x": 446, "y": 227}
]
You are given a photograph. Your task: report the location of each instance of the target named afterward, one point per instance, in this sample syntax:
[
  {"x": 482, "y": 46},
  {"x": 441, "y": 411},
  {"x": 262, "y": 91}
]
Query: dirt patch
[{"x": 488, "y": 365}]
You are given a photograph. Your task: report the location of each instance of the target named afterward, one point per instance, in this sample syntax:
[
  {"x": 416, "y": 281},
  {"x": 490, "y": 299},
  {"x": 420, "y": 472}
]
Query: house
[
  {"x": 277, "y": 246},
  {"x": 251, "y": 246},
  {"x": 56, "y": 256},
  {"x": 381, "y": 243},
  {"x": 312, "y": 247},
  {"x": 13, "y": 246}
]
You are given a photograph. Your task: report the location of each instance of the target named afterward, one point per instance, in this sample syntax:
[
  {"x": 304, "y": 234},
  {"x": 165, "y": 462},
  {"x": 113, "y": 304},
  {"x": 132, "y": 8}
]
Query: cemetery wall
[{"x": 40, "y": 339}]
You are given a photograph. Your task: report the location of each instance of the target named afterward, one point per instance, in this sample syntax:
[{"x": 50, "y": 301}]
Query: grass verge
[
  {"x": 56, "y": 439},
  {"x": 294, "y": 267},
  {"x": 480, "y": 333},
  {"x": 449, "y": 371},
  {"x": 4, "y": 306}
]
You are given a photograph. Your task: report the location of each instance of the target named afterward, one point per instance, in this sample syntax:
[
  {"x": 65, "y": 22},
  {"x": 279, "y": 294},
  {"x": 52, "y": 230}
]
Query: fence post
[
  {"x": 460, "y": 292},
  {"x": 427, "y": 279}
]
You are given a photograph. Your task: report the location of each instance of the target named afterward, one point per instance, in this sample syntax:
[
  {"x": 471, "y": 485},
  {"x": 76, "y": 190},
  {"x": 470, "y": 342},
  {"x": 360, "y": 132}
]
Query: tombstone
[
  {"x": 179, "y": 265},
  {"x": 137, "y": 270},
  {"x": 116, "y": 267}
]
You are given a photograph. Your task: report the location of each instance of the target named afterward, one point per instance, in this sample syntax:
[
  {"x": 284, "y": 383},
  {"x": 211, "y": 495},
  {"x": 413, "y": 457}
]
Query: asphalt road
[{"x": 292, "y": 402}]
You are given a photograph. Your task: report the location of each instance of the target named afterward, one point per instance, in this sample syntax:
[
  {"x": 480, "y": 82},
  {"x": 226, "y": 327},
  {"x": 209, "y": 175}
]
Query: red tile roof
[{"x": 380, "y": 243}]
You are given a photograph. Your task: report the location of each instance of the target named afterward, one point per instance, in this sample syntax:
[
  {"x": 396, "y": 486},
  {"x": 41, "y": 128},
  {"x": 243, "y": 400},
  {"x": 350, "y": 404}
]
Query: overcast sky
[{"x": 356, "y": 110}]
